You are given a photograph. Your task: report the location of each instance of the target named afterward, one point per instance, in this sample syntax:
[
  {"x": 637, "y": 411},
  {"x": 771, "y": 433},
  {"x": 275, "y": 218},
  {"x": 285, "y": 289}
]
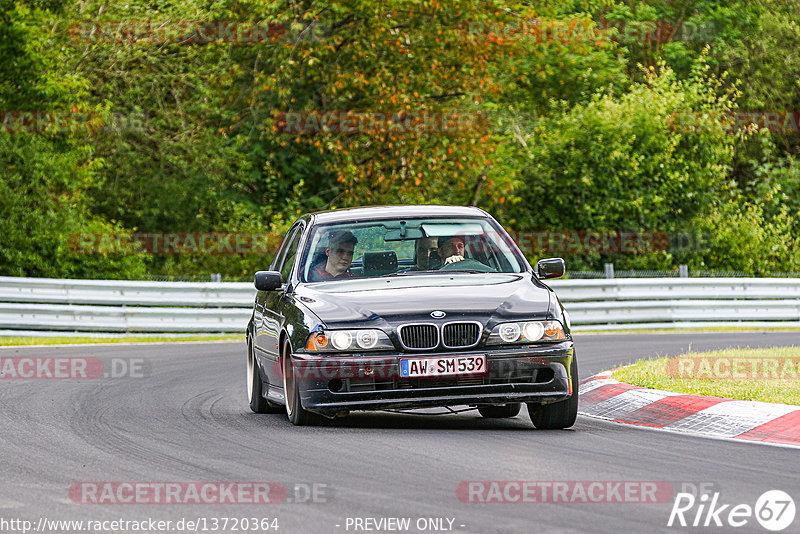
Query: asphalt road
[{"x": 187, "y": 419}]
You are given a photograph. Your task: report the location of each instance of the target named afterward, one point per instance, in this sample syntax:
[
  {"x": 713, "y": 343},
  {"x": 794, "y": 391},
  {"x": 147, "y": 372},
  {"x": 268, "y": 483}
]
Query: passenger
[
  {"x": 451, "y": 249},
  {"x": 426, "y": 254},
  {"x": 339, "y": 252}
]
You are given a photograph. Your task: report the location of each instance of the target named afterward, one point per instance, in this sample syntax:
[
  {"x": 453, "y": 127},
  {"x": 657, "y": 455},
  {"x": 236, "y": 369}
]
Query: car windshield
[{"x": 408, "y": 247}]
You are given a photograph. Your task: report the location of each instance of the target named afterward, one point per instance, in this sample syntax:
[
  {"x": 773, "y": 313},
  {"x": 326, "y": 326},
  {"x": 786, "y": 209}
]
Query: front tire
[
  {"x": 558, "y": 414},
  {"x": 500, "y": 412},
  {"x": 298, "y": 416},
  {"x": 258, "y": 403}
]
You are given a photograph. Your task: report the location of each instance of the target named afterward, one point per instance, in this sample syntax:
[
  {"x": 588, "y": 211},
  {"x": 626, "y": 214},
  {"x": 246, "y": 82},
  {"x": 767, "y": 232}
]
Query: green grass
[
  {"x": 76, "y": 340},
  {"x": 656, "y": 375}
]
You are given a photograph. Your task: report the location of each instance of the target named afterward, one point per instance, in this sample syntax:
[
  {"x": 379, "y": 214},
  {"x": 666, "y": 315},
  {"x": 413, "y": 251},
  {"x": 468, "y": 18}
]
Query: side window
[
  {"x": 277, "y": 260},
  {"x": 291, "y": 251}
]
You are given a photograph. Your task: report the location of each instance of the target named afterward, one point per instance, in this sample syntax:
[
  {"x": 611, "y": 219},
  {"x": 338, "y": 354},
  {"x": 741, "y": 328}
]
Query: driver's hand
[{"x": 453, "y": 259}]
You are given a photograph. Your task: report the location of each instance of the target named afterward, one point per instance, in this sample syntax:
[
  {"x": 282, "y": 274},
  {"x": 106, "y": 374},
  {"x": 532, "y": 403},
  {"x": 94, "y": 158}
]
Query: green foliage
[
  {"x": 739, "y": 237},
  {"x": 52, "y": 178},
  {"x": 573, "y": 133},
  {"x": 45, "y": 175},
  {"x": 621, "y": 164}
]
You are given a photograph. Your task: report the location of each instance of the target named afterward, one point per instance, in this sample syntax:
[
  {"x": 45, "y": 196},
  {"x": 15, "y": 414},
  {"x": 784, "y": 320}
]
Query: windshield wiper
[
  {"x": 409, "y": 273},
  {"x": 449, "y": 271}
]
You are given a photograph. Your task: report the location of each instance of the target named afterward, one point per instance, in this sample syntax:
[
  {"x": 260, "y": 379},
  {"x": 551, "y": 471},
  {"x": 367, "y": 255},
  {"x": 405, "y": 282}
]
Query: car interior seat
[{"x": 380, "y": 263}]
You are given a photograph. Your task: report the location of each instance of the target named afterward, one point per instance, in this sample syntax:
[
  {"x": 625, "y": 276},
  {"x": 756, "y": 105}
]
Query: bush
[{"x": 621, "y": 164}]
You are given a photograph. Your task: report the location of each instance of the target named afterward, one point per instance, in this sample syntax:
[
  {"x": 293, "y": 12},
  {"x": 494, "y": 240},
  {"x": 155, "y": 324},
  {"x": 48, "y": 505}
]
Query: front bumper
[{"x": 335, "y": 384}]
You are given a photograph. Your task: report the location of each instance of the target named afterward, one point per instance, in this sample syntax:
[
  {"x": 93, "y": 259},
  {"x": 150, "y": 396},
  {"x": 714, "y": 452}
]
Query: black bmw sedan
[{"x": 407, "y": 307}]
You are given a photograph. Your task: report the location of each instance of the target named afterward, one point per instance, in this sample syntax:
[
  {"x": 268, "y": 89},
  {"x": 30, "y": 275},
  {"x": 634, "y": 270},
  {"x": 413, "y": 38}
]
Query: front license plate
[{"x": 447, "y": 366}]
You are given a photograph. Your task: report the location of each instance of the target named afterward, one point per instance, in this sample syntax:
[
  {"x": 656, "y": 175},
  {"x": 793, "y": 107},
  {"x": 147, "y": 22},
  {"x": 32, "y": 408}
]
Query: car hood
[{"x": 489, "y": 298}]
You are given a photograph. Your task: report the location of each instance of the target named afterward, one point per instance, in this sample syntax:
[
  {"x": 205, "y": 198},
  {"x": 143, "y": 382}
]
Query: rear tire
[
  {"x": 258, "y": 403},
  {"x": 500, "y": 412},
  {"x": 298, "y": 416},
  {"x": 558, "y": 414}
]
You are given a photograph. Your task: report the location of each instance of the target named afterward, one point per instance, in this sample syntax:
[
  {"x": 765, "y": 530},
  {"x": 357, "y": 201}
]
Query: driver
[
  {"x": 451, "y": 249},
  {"x": 339, "y": 252}
]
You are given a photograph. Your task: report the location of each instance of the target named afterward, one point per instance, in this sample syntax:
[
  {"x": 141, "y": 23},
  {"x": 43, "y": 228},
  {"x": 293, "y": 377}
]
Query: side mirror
[
  {"x": 550, "y": 268},
  {"x": 268, "y": 280}
]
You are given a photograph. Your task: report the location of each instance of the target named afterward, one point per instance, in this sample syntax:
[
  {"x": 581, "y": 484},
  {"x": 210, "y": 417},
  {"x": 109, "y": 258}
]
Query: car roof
[{"x": 389, "y": 212}]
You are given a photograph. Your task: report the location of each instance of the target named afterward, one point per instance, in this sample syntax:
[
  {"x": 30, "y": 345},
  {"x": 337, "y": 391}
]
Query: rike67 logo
[{"x": 774, "y": 510}]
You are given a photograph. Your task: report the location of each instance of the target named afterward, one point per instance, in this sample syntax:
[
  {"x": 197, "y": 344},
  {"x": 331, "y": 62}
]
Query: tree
[{"x": 46, "y": 171}]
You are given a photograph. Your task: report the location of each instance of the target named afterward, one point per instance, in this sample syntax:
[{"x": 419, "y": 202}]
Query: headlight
[
  {"x": 533, "y": 331},
  {"x": 526, "y": 332},
  {"x": 509, "y": 332},
  {"x": 348, "y": 341},
  {"x": 367, "y": 339},
  {"x": 341, "y": 340}
]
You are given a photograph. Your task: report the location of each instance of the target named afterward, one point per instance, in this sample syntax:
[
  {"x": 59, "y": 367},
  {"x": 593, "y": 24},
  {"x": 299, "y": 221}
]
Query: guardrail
[
  {"x": 681, "y": 302},
  {"x": 124, "y": 306},
  {"x": 133, "y": 306}
]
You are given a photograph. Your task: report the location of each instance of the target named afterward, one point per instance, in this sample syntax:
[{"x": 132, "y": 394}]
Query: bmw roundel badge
[{"x": 438, "y": 314}]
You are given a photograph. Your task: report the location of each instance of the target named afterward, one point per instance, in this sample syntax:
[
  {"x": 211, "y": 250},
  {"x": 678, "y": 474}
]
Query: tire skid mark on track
[
  {"x": 227, "y": 424},
  {"x": 109, "y": 430}
]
